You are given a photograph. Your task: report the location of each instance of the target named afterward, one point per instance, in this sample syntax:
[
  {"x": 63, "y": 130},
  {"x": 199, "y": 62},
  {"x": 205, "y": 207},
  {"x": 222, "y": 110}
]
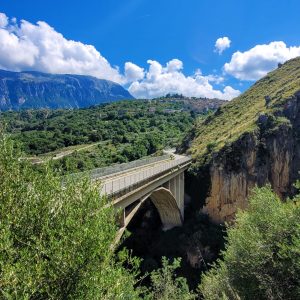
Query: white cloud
[
  {"x": 160, "y": 81},
  {"x": 174, "y": 65},
  {"x": 39, "y": 47},
  {"x": 222, "y": 44},
  {"x": 3, "y": 20},
  {"x": 133, "y": 72},
  {"x": 259, "y": 60}
]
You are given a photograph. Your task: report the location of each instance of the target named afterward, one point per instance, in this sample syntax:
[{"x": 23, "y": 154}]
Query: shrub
[
  {"x": 166, "y": 286},
  {"x": 55, "y": 240},
  {"x": 262, "y": 256}
]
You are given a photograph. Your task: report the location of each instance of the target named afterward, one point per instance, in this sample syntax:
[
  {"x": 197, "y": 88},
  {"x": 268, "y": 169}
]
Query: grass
[{"x": 239, "y": 116}]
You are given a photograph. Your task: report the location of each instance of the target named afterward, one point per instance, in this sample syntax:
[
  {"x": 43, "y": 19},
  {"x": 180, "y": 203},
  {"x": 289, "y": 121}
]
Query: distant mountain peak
[{"x": 31, "y": 89}]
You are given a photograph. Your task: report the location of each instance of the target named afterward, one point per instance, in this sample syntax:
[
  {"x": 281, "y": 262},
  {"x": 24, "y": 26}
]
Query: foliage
[
  {"x": 262, "y": 256},
  {"x": 55, "y": 239},
  {"x": 42, "y": 131},
  {"x": 240, "y": 115},
  {"x": 166, "y": 286},
  {"x": 120, "y": 132}
]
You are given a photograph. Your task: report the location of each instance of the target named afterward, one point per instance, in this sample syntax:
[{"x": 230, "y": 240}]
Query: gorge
[{"x": 259, "y": 146}]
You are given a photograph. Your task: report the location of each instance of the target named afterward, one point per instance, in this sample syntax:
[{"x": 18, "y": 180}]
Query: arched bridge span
[{"x": 160, "y": 179}]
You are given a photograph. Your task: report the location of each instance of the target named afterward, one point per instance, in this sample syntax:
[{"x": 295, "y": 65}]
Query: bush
[
  {"x": 166, "y": 286},
  {"x": 55, "y": 240},
  {"x": 262, "y": 256}
]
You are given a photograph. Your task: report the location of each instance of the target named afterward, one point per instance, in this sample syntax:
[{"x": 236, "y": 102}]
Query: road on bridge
[{"x": 127, "y": 179}]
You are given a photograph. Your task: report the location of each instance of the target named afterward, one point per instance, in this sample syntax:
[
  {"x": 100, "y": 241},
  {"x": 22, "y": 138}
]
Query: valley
[
  {"x": 83, "y": 139},
  {"x": 149, "y": 150},
  {"x": 191, "y": 174}
]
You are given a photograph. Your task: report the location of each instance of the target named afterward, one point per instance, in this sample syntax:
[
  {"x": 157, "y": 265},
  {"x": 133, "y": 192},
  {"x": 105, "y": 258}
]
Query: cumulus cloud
[
  {"x": 222, "y": 44},
  {"x": 133, "y": 72},
  {"x": 161, "y": 80},
  {"x": 259, "y": 60},
  {"x": 174, "y": 65},
  {"x": 39, "y": 47},
  {"x": 3, "y": 20}
]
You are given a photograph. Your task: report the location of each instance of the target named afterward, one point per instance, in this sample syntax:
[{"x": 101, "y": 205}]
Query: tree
[
  {"x": 262, "y": 256},
  {"x": 166, "y": 286},
  {"x": 55, "y": 240}
]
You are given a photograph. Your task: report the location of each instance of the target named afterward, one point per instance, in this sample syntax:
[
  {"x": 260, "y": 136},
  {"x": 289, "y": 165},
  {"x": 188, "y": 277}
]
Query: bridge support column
[{"x": 176, "y": 186}]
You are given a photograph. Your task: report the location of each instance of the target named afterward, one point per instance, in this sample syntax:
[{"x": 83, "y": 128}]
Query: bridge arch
[{"x": 167, "y": 207}]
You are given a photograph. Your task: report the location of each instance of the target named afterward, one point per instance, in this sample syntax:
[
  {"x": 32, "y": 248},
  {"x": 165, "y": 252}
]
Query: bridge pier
[{"x": 176, "y": 187}]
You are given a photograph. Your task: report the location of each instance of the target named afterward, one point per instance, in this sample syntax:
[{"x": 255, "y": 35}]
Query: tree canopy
[
  {"x": 55, "y": 240},
  {"x": 262, "y": 256}
]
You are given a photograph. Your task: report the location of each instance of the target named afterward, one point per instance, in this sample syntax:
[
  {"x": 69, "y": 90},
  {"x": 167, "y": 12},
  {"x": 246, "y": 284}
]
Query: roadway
[{"x": 130, "y": 178}]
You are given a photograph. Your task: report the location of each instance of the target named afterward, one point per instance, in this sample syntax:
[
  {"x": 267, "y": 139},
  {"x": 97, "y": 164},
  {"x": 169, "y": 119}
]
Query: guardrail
[
  {"x": 101, "y": 172},
  {"x": 127, "y": 183}
]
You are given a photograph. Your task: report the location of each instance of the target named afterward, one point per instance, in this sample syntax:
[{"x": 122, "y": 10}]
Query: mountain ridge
[{"x": 33, "y": 89}]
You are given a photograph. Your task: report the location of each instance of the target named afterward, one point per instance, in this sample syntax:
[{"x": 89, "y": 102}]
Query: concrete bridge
[{"x": 159, "y": 178}]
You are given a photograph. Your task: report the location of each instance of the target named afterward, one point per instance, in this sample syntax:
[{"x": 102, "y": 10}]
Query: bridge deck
[{"x": 120, "y": 182}]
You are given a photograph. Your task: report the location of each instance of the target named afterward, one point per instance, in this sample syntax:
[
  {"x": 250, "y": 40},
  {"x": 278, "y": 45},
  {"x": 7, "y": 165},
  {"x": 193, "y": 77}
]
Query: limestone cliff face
[{"x": 269, "y": 155}]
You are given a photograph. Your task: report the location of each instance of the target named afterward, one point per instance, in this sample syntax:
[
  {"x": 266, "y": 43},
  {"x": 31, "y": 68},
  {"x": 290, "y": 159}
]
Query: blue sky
[{"x": 136, "y": 31}]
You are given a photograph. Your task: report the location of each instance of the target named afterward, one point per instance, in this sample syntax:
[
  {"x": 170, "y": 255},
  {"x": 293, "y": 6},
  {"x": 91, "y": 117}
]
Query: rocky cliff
[
  {"x": 257, "y": 158},
  {"x": 266, "y": 150},
  {"x": 20, "y": 90}
]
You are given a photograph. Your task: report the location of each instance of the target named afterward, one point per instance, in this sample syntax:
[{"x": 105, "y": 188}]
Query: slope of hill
[
  {"x": 23, "y": 90},
  {"x": 81, "y": 139},
  {"x": 252, "y": 140},
  {"x": 198, "y": 105}
]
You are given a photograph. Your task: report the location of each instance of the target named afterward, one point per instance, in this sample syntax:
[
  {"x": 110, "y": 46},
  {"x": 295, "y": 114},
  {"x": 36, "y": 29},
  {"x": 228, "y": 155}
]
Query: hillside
[
  {"x": 241, "y": 114},
  {"x": 198, "y": 105},
  {"x": 23, "y": 90},
  {"x": 100, "y": 135},
  {"x": 251, "y": 140}
]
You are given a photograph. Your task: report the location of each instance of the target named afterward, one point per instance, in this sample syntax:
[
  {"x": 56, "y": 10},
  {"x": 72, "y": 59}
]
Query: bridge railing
[
  {"x": 102, "y": 172},
  {"x": 125, "y": 184}
]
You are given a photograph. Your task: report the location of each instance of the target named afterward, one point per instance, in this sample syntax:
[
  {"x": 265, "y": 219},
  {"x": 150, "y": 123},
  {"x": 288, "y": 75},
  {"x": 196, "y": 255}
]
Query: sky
[{"x": 201, "y": 48}]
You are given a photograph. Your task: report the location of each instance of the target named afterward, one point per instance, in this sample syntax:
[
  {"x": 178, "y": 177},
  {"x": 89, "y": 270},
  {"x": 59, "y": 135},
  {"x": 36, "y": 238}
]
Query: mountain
[
  {"x": 20, "y": 90},
  {"x": 252, "y": 140}
]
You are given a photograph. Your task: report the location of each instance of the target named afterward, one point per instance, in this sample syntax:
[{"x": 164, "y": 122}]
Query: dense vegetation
[
  {"x": 117, "y": 132},
  {"x": 55, "y": 243},
  {"x": 165, "y": 285},
  {"x": 240, "y": 115},
  {"x": 55, "y": 240},
  {"x": 262, "y": 257}
]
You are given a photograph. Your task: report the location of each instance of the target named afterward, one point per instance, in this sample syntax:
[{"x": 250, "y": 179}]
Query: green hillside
[
  {"x": 83, "y": 139},
  {"x": 239, "y": 116}
]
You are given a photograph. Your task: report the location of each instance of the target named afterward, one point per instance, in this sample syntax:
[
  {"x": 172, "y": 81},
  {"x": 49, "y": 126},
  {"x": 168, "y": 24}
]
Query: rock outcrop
[{"x": 270, "y": 155}]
